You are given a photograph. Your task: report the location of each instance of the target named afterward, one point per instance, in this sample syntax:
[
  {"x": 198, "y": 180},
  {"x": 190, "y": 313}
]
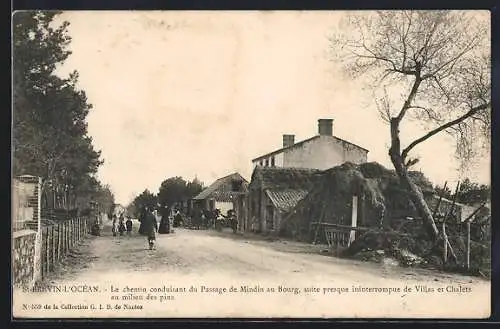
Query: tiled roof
[
  {"x": 285, "y": 200},
  {"x": 301, "y": 143},
  {"x": 221, "y": 189},
  {"x": 221, "y": 196},
  {"x": 285, "y": 148}
]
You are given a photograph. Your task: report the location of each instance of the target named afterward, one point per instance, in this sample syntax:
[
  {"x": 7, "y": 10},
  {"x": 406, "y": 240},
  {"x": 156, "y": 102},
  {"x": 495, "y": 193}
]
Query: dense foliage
[
  {"x": 469, "y": 192},
  {"x": 173, "y": 191},
  {"x": 50, "y": 137}
]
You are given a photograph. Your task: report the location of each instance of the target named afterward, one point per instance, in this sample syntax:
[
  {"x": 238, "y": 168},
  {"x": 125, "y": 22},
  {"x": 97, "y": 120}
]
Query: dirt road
[{"x": 187, "y": 274}]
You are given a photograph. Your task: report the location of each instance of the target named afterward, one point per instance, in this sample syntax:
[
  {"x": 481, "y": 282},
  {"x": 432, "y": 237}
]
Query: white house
[{"x": 322, "y": 151}]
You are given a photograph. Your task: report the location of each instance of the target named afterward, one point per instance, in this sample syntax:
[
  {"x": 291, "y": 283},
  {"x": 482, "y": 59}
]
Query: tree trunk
[{"x": 414, "y": 191}]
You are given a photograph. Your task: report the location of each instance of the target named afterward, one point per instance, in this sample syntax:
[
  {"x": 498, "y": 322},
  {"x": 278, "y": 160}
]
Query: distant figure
[
  {"x": 121, "y": 225},
  {"x": 197, "y": 213},
  {"x": 255, "y": 225},
  {"x": 165, "y": 221},
  {"x": 177, "y": 218},
  {"x": 150, "y": 228},
  {"x": 142, "y": 216},
  {"x": 129, "y": 226},
  {"x": 203, "y": 220},
  {"x": 114, "y": 229}
]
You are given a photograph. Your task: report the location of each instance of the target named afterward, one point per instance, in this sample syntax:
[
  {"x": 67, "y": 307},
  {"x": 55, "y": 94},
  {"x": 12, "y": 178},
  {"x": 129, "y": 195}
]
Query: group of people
[
  {"x": 149, "y": 225},
  {"x": 201, "y": 218},
  {"x": 120, "y": 226}
]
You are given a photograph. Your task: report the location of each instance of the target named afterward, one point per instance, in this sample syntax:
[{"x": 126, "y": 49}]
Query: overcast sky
[{"x": 202, "y": 93}]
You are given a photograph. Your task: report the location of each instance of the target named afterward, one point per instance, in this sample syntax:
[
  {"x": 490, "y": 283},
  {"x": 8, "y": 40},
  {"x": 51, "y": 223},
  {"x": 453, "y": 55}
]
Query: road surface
[{"x": 162, "y": 282}]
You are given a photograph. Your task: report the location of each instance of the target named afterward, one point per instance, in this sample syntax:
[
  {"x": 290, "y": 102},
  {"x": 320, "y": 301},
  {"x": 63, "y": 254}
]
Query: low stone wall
[{"x": 23, "y": 257}]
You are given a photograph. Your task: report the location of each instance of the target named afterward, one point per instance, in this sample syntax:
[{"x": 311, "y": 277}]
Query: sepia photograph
[{"x": 251, "y": 164}]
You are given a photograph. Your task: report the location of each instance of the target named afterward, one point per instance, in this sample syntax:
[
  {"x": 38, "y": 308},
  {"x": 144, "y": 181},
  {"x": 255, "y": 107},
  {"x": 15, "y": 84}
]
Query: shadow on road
[{"x": 77, "y": 260}]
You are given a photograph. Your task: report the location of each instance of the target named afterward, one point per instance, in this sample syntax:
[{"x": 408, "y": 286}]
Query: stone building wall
[{"x": 23, "y": 258}]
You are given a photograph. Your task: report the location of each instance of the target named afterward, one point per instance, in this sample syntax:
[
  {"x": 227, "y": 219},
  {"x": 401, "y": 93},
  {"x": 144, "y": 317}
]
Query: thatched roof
[
  {"x": 279, "y": 178},
  {"x": 223, "y": 190},
  {"x": 330, "y": 198}
]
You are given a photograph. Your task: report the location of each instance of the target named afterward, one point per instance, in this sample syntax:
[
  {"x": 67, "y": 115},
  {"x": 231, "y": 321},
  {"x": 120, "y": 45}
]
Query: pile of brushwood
[
  {"x": 394, "y": 228},
  {"x": 407, "y": 241}
]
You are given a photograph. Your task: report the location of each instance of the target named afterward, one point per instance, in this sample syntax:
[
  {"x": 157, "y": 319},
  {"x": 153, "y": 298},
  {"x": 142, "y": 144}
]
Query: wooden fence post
[
  {"x": 48, "y": 250},
  {"x": 62, "y": 240},
  {"x": 68, "y": 235},
  {"x": 53, "y": 246},
  {"x": 42, "y": 255},
  {"x": 338, "y": 234},
  {"x": 354, "y": 220},
  {"x": 468, "y": 244},
  {"x": 65, "y": 237},
  {"x": 445, "y": 249},
  {"x": 58, "y": 241}
]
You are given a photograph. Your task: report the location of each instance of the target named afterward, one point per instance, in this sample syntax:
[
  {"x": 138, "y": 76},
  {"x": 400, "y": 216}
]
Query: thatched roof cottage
[
  {"x": 274, "y": 191},
  {"x": 380, "y": 197}
]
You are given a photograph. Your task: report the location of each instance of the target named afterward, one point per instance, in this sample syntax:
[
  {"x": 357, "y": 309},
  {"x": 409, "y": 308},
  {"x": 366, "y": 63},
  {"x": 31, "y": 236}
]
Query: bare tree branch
[{"x": 443, "y": 127}]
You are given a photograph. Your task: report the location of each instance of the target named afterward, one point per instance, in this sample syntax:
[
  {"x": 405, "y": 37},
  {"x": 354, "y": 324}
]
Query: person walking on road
[
  {"x": 121, "y": 225},
  {"x": 150, "y": 228},
  {"x": 142, "y": 220},
  {"x": 164, "y": 221},
  {"x": 115, "y": 225},
  {"x": 129, "y": 226},
  {"x": 177, "y": 218}
]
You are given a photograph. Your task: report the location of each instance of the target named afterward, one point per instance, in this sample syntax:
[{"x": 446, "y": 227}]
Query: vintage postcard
[{"x": 251, "y": 164}]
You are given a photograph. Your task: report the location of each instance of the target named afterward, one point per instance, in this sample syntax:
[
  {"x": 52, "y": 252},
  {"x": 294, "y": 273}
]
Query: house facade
[
  {"x": 273, "y": 192},
  {"x": 222, "y": 193},
  {"x": 322, "y": 151}
]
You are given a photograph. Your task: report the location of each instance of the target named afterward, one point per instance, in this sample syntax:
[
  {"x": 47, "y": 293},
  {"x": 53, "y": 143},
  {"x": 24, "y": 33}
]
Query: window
[
  {"x": 266, "y": 163},
  {"x": 273, "y": 163},
  {"x": 260, "y": 163}
]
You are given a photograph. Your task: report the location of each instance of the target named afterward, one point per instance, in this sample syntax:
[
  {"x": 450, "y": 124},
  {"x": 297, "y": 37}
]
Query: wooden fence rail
[{"x": 59, "y": 239}]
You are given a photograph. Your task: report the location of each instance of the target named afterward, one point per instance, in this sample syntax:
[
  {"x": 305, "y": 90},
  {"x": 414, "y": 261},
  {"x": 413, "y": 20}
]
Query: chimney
[
  {"x": 288, "y": 140},
  {"x": 325, "y": 127}
]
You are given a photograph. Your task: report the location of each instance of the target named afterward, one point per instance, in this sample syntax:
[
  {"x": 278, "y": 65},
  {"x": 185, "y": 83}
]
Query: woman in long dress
[
  {"x": 150, "y": 227},
  {"x": 121, "y": 225},
  {"x": 115, "y": 225},
  {"x": 164, "y": 221}
]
